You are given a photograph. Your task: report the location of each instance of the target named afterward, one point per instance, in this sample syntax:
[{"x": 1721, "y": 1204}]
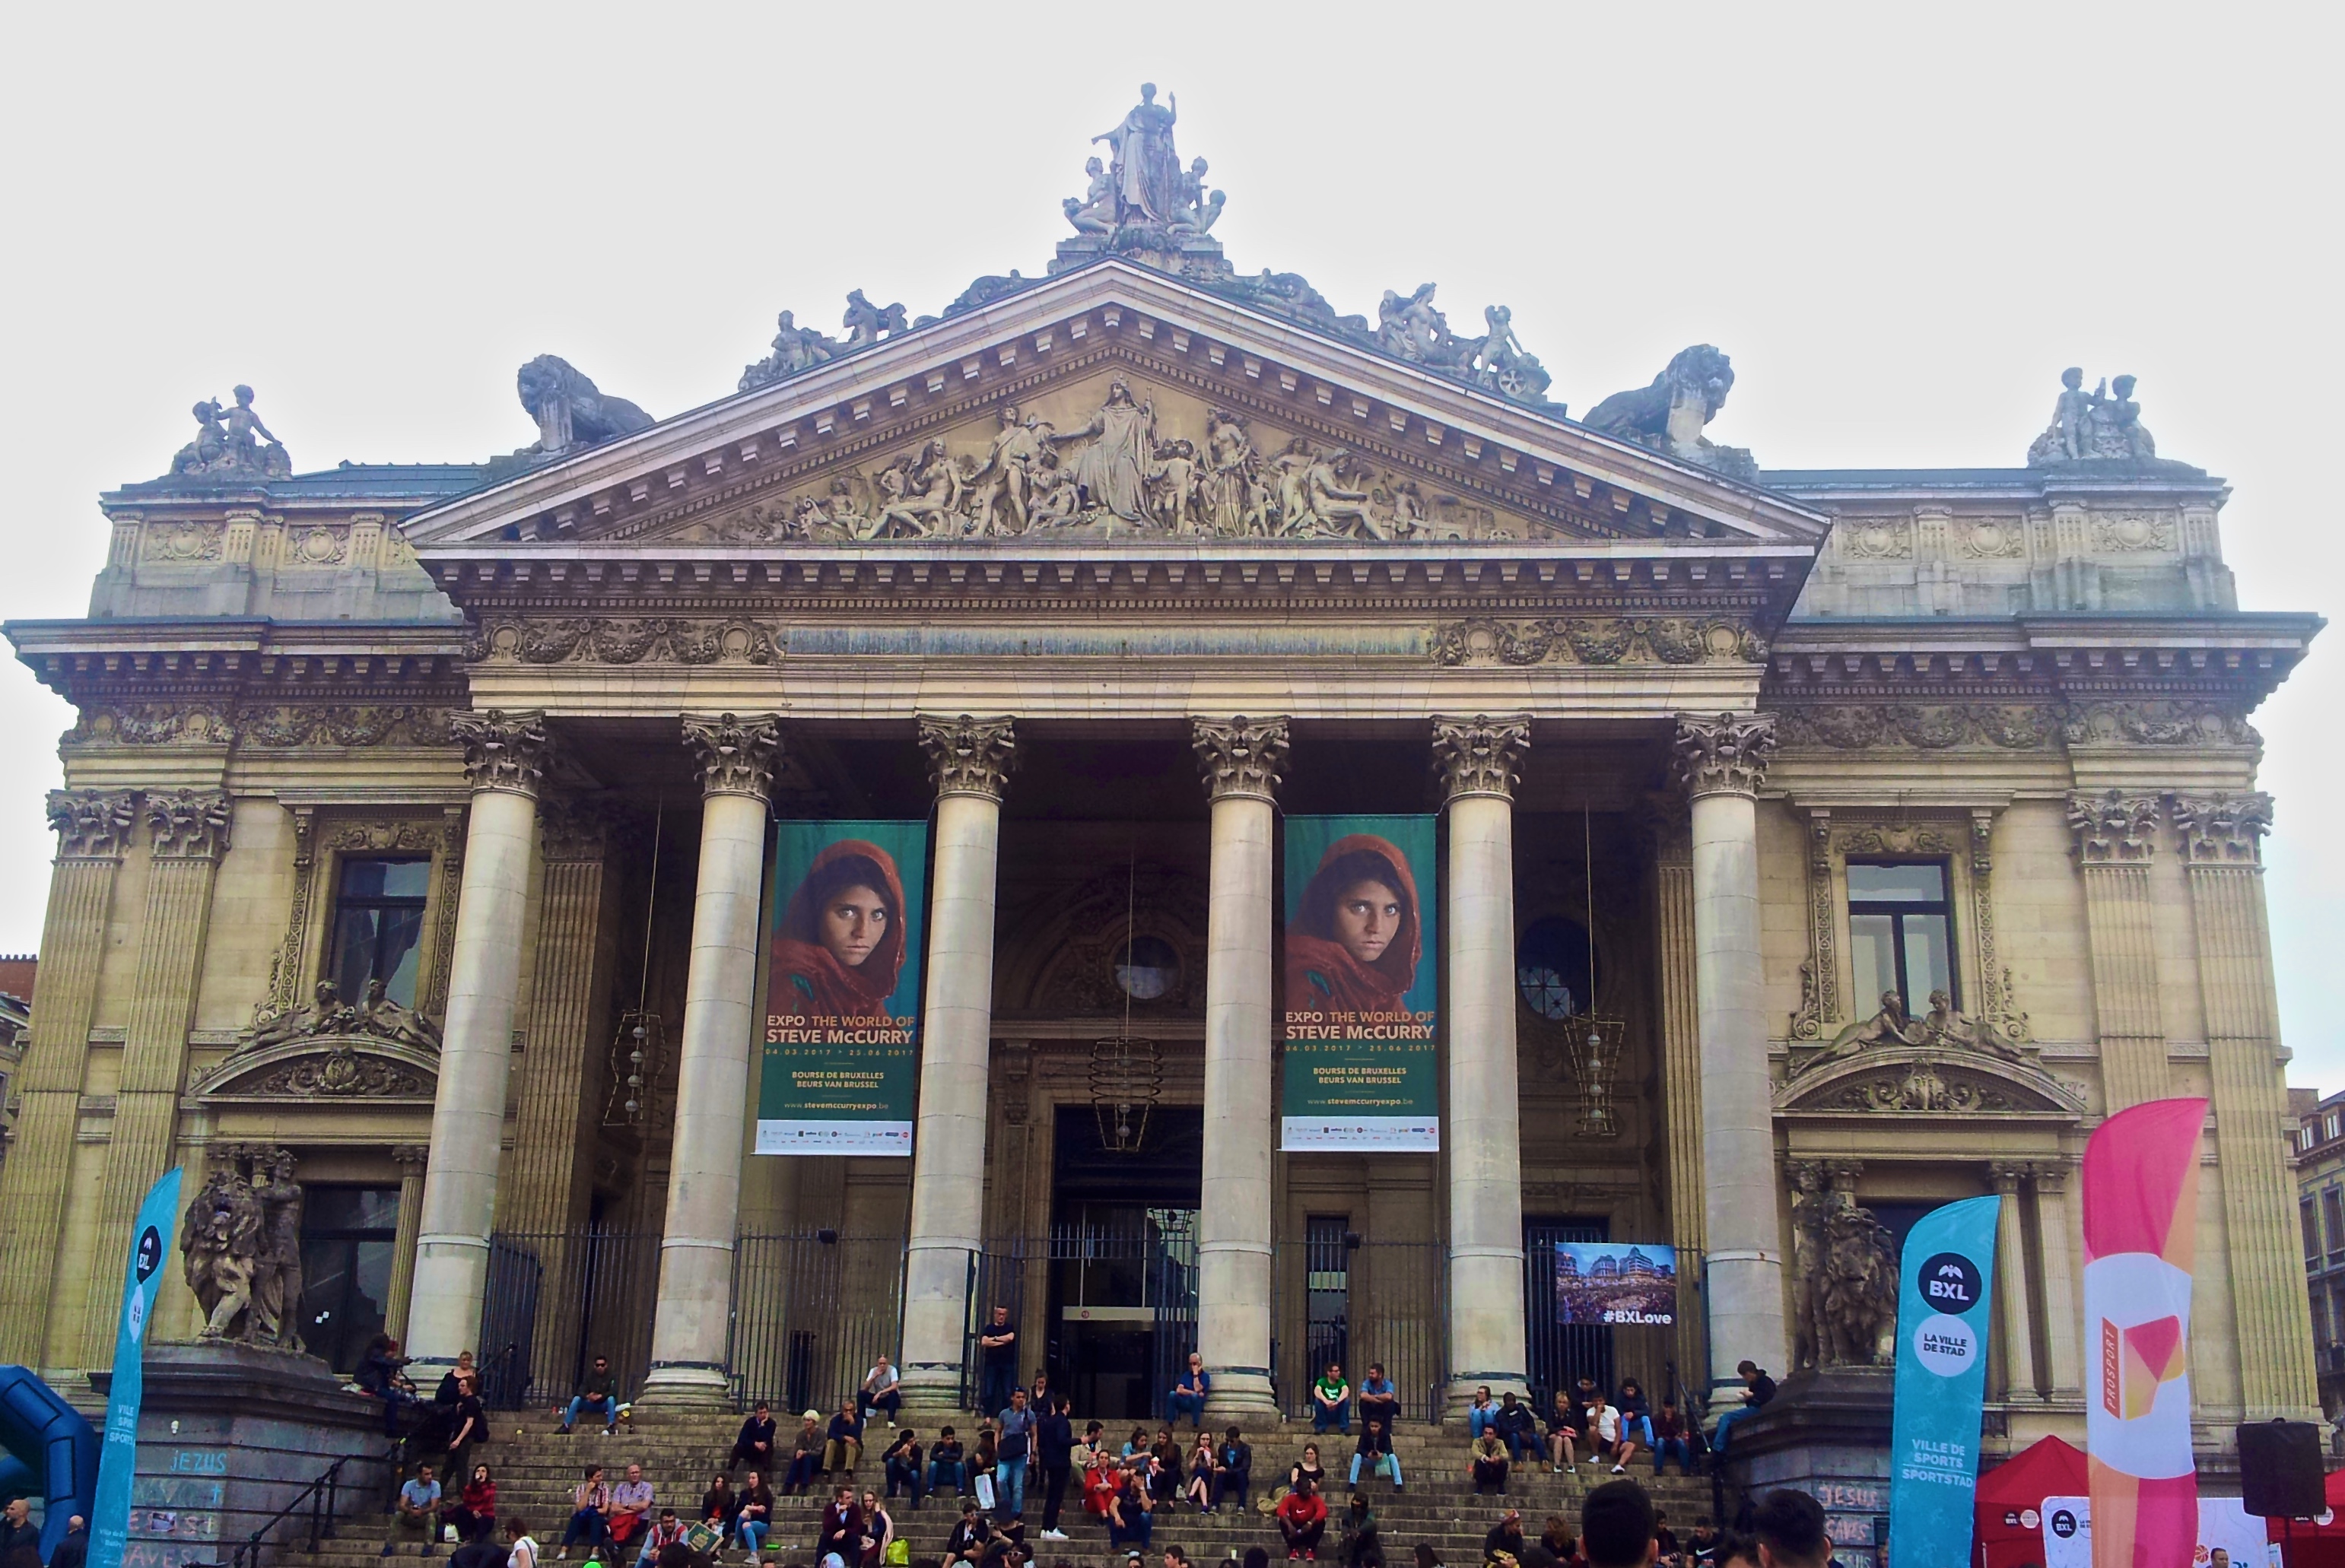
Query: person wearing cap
[
  {"x": 1617, "y": 1525},
  {"x": 754, "y": 1446},
  {"x": 1362, "y": 1545},
  {"x": 806, "y": 1457},
  {"x": 1505, "y": 1536}
]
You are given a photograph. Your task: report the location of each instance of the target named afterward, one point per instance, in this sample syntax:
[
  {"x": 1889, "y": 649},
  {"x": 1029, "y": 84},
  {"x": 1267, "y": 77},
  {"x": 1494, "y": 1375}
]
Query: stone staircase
[{"x": 536, "y": 1467}]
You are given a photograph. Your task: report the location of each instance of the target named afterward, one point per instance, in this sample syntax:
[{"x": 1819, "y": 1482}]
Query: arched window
[{"x": 1552, "y": 969}]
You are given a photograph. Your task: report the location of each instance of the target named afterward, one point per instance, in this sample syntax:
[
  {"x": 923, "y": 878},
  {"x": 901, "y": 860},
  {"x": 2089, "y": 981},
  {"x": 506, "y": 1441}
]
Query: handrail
[{"x": 321, "y": 1494}]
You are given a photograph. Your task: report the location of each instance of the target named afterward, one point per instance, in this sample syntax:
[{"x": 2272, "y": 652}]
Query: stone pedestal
[
  {"x": 1826, "y": 1434},
  {"x": 229, "y": 1434}
]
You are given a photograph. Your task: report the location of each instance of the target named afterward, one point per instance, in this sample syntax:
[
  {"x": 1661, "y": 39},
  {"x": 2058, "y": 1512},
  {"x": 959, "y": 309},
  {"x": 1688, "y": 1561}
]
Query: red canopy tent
[
  {"x": 2305, "y": 1545},
  {"x": 2009, "y": 1532}
]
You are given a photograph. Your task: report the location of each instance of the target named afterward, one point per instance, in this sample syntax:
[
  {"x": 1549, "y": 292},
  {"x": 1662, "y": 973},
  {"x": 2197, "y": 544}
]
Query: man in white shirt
[
  {"x": 880, "y": 1391},
  {"x": 1604, "y": 1432}
]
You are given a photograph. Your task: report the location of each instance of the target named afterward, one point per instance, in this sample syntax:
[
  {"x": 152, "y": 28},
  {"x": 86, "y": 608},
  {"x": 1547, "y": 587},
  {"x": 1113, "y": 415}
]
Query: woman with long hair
[
  {"x": 840, "y": 944},
  {"x": 1355, "y": 938}
]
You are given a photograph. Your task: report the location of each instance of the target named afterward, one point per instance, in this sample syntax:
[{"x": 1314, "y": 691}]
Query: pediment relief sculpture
[
  {"x": 1945, "y": 1027},
  {"x": 1943, "y": 1077},
  {"x": 326, "y": 1016}
]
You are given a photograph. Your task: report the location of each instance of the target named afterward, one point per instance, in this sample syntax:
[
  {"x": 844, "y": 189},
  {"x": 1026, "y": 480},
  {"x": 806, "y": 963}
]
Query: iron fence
[
  {"x": 560, "y": 1298},
  {"x": 811, "y": 1313},
  {"x": 1560, "y": 1353},
  {"x": 1359, "y": 1303}
]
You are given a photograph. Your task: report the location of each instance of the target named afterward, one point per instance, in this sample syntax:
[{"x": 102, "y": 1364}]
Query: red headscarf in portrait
[
  {"x": 808, "y": 980},
  {"x": 1321, "y": 972}
]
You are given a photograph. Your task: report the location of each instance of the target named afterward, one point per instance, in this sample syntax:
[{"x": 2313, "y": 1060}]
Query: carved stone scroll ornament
[
  {"x": 1945, "y": 1027},
  {"x": 969, "y": 755},
  {"x": 1481, "y": 755},
  {"x": 1723, "y": 755},
  {"x": 1240, "y": 756},
  {"x": 93, "y": 824},
  {"x": 2000, "y": 1013},
  {"x": 502, "y": 751},
  {"x": 2223, "y": 829},
  {"x": 604, "y": 640},
  {"x": 150, "y": 725},
  {"x": 2112, "y": 827},
  {"x": 2157, "y": 723},
  {"x": 736, "y": 755},
  {"x": 188, "y": 825},
  {"x": 242, "y": 1241},
  {"x": 1598, "y": 640}
]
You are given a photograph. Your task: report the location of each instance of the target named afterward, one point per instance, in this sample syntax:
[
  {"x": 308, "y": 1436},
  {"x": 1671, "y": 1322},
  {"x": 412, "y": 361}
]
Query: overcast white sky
[{"x": 1902, "y": 222}]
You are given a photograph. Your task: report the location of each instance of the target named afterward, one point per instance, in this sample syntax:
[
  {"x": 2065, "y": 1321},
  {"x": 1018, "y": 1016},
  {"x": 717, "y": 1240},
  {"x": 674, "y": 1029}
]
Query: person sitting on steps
[
  {"x": 754, "y": 1445},
  {"x": 1485, "y": 1464},
  {"x": 1516, "y": 1427},
  {"x": 590, "y": 1516},
  {"x": 1378, "y": 1398},
  {"x": 1375, "y": 1447},
  {"x": 945, "y": 1463},
  {"x": 755, "y": 1516},
  {"x": 842, "y": 1447},
  {"x": 901, "y": 1464},
  {"x": 597, "y": 1391},
  {"x": 1331, "y": 1401},
  {"x": 1302, "y": 1517},
  {"x": 805, "y": 1456}
]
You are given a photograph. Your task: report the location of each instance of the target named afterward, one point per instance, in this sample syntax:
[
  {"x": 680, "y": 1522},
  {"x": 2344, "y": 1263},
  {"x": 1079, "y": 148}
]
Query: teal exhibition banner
[
  {"x": 151, "y": 1244},
  {"x": 1945, "y": 1282},
  {"x": 1360, "y": 969},
  {"x": 843, "y": 994}
]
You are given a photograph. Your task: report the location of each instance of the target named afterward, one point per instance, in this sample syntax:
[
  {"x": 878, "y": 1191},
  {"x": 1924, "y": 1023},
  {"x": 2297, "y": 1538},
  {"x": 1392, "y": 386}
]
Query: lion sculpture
[
  {"x": 570, "y": 411},
  {"x": 1669, "y": 414}
]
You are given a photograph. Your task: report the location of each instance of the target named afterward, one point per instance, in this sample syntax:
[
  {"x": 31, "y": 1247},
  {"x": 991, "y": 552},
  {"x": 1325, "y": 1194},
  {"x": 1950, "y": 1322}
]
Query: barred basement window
[
  {"x": 379, "y": 927},
  {"x": 1900, "y": 932}
]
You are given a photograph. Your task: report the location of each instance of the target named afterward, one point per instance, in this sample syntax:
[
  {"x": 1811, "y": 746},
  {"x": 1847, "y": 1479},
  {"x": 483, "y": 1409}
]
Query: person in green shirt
[{"x": 1331, "y": 1401}]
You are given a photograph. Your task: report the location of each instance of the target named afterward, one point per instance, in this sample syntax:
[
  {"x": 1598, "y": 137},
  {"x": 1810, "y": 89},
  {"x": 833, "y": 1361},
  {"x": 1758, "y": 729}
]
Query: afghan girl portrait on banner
[
  {"x": 1360, "y": 985},
  {"x": 842, "y": 989}
]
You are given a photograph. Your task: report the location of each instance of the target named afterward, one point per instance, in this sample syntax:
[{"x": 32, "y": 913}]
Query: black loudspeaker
[{"x": 2279, "y": 1469}]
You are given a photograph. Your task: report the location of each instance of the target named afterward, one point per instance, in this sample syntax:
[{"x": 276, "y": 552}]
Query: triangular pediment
[{"x": 1148, "y": 410}]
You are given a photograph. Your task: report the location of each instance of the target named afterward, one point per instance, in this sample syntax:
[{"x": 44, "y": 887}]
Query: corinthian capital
[
  {"x": 2223, "y": 829},
  {"x": 736, "y": 755},
  {"x": 93, "y": 823},
  {"x": 969, "y": 755},
  {"x": 1240, "y": 756},
  {"x": 502, "y": 751},
  {"x": 2112, "y": 827},
  {"x": 1723, "y": 755},
  {"x": 1481, "y": 755},
  {"x": 188, "y": 825}
]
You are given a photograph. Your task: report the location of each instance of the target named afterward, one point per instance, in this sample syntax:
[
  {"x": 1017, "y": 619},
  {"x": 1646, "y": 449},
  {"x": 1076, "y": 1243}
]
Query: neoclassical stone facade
[{"x": 492, "y": 751}]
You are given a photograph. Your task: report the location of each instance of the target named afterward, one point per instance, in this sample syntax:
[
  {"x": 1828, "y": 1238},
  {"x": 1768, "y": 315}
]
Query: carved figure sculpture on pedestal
[
  {"x": 276, "y": 1278},
  {"x": 867, "y": 323},
  {"x": 2103, "y": 425},
  {"x": 1811, "y": 1203},
  {"x": 1668, "y": 415},
  {"x": 229, "y": 442},
  {"x": 1146, "y": 172},
  {"x": 1856, "y": 1289},
  {"x": 570, "y": 411},
  {"x": 1094, "y": 212},
  {"x": 242, "y": 1241}
]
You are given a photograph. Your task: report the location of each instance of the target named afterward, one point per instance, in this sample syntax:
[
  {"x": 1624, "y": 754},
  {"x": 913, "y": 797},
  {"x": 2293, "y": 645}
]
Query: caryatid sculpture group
[{"x": 241, "y": 1240}]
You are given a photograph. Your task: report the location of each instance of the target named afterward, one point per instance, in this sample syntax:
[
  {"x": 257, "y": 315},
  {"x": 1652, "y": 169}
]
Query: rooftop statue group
[
  {"x": 1117, "y": 471},
  {"x": 1945, "y": 1027},
  {"x": 2103, "y": 425},
  {"x": 242, "y": 1241},
  {"x": 229, "y": 443},
  {"x": 326, "y": 1016}
]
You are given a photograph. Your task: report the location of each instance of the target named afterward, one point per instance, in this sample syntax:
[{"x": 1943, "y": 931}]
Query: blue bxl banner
[
  {"x": 1945, "y": 1284},
  {"x": 151, "y": 1244}
]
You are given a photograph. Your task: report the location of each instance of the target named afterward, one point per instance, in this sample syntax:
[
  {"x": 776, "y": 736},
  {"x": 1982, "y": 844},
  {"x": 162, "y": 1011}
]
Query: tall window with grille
[
  {"x": 1900, "y": 932},
  {"x": 1327, "y": 1292},
  {"x": 379, "y": 927},
  {"x": 2332, "y": 1218}
]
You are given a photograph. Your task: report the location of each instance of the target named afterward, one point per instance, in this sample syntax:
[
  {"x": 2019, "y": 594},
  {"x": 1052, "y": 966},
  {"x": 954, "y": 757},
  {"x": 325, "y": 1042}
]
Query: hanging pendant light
[
  {"x": 1127, "y": 1073},
  {"x": 1594, "y": 1042},
  {"x": 641, "y": 1039}
]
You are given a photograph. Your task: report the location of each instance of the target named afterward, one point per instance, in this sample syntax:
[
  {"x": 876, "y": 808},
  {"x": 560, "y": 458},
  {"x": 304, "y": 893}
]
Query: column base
[
  {"x": 931, "y": 1395},
  {"x": 1459, "y": 1396},
  {"x": 1239, "y": 1396},
  {"x": 685, "y": 1385}
]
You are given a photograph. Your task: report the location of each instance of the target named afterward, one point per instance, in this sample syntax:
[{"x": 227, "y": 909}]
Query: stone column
[
  {"x": 969, "y": 759},
  {"x": 505, "y": 758},
  {"x": 94, "y": 828},
  {"x": 412, "y": 1159},
  {"x": 2221, "y": 841},
  {"x": 1477, "y": 760},
  {"x": 1242, "y": 760},
  {"x": 186, "y": 833},
  {"x": 2117, "y": 836},
  {"x": 1721, "y": 762},
  {"x": 2015, "y": 1374},
  {"x": 2063, "y": 1242},
  {"x": 691, "y": 1322},
  {"x": 1680, "y": 1059}
]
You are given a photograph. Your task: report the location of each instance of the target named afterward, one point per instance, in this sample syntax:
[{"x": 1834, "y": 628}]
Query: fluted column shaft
[
  {"x": 94, "y": 828},
  {"x": 971, "y": 759},
  {"x": 1477, "y": 760},
  {"x": 692, "y": 1321},
  {"x": 2116, "y": 836},
  {"x": 1242, "y": 759},
  {"x": 187, "y": 832},
  {"x": 412, "y": 1159},
  {"x": 1721, "y": 762},
  {"x": 1681, "y": 1069},
  {"x": 504, "y": 759},
  {"x": 2017, "y": 1376}
]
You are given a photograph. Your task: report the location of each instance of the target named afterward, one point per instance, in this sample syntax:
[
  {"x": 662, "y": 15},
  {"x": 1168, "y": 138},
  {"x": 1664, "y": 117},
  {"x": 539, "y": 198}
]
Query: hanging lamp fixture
[
  {"x": 640, "y": 1041},
  {"x": 1594, "y": 1041},
  {"x": 1127, "y": 1073}
]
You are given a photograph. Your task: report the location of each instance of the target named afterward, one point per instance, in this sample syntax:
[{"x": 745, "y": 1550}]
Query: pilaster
[
  {"x": 2220, "y": 838},
  {"x": 1680, "y": 1057},
  {"x": 2063, "y": 1240},
  {"x": 2117, "y": 838},
  {"x": 94, "y": 828},
  {"x": 186, "y": 833},
  {"x": 2014, "y": 1369},
  {"x": 412, "y": 1159}
]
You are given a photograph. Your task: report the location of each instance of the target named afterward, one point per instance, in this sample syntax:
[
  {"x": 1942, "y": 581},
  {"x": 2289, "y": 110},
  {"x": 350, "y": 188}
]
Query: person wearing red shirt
[{"x": 1303, "y": 1521}]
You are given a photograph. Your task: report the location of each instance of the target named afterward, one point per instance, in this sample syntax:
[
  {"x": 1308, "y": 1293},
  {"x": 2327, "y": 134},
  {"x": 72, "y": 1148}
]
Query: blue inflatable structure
[{"x": 52, "y": 1453}]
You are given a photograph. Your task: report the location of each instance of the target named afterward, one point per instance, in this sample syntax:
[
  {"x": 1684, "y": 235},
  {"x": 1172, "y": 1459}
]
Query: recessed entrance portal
[{"x": 1124, "y": 1259}]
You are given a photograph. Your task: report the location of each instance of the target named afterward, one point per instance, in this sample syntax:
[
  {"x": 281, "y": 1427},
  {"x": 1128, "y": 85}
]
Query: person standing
[
  {"x": 1011, "y": 1449},
  {"x": 997, "y": 1350},
  {"x": 73, "y": 1551},
  {"x": 1054, "y": 1436}
]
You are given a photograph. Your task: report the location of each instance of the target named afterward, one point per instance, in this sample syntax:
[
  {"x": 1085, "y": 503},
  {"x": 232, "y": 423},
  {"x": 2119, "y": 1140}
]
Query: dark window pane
[
  {"x": 355, "y": 933},
  {"x": 1920, "y": 882},
  {"x": 398, "y": 954},
  {"x": 1928, "y": 958},
  {"x": 2334, "y": 1216},
  {"x": 1552, "y": 968},
  {"x": 406, "y": 878},
  {"x": 372, "y": 1209}
]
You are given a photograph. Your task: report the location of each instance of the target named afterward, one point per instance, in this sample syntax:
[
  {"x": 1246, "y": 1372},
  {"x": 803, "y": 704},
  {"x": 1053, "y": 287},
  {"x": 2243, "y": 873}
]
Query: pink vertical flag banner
[{"x": 2141, "y": 1224}]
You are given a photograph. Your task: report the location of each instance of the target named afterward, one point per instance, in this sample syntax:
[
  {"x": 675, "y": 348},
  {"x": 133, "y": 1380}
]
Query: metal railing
[
  {"x": 321, "y": 1495},
  {"x": 1376, "y": 1302},
  {"x": 560, "y": 1297},
  {"x": 811, "y": 1313}
]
